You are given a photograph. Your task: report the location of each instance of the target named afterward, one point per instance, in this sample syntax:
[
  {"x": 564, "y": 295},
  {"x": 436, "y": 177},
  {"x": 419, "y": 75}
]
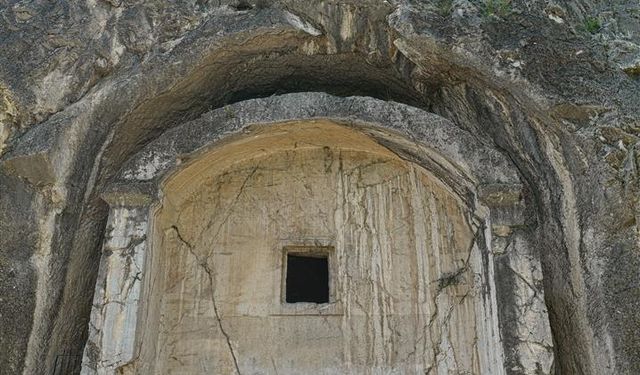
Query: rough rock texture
[{"x": 552, "y": 85}]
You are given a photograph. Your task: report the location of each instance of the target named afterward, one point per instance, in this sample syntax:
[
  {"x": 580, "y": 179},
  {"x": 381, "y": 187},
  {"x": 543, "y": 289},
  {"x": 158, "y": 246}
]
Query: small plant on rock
[
  {"x": 229, "y": 113},
  {"x": 592, "y": 25},
  {"x": 500, "y": 8},
  {"x": 445, "y": 7}
]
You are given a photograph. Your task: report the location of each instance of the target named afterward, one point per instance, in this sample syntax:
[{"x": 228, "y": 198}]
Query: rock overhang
[{"x": 451, "y": 153}]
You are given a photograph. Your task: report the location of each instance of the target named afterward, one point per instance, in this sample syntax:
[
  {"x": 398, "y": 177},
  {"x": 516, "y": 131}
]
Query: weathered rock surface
[
  {"x": 305, "y": 184},
  {"x": 553, "y": 86}
]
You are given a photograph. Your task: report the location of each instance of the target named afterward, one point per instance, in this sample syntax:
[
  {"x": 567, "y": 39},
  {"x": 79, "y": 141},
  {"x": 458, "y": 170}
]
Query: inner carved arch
[{"x": 408, "y": 275}]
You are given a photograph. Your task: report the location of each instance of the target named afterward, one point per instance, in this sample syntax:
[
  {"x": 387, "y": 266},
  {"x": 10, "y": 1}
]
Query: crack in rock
[{"x": 205, "y": 267}]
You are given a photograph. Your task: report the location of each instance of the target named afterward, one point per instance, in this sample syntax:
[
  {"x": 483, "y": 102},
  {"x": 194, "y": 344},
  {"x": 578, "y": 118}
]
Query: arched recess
[
  {"x": 72, "y": 155},
  {"x": 150, "y": 192}
]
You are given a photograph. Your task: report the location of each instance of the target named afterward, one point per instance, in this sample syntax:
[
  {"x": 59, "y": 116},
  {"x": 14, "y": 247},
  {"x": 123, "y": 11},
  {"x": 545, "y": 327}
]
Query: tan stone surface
[{"x": 406, "y": 290}]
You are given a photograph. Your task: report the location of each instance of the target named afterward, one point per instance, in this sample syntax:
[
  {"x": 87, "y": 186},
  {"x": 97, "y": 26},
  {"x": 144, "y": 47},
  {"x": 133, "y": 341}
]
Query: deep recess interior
[{"x": 307, "y": 278}]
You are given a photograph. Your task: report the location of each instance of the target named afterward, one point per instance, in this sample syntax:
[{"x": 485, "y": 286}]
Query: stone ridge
[{"x": 183, "y": 142}]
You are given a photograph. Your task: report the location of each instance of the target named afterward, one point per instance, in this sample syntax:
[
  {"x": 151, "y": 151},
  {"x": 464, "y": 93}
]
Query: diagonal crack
[
  {"x": 527, "y": 282},
  {"x": 453, "y": 278},
  {"x": 215, "y": 310},
  {"x": 229, "y": 210},
  {"x": 205, "y": 267}
]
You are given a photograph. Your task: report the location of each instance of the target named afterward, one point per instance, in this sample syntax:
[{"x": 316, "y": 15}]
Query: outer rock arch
[{"x": 126, "y": 315}]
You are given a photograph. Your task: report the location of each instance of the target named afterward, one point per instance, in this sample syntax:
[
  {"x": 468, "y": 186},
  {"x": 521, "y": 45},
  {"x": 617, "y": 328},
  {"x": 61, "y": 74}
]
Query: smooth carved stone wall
[{"x": 410, "y": 290}]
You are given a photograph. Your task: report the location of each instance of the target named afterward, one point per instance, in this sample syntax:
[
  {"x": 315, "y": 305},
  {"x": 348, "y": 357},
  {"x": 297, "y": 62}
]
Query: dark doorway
[{"x": 307, "y": 279}]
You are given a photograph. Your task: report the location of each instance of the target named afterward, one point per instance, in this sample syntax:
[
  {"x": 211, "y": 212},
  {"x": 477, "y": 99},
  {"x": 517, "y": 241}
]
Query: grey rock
[{"x": 85, "y": 86}]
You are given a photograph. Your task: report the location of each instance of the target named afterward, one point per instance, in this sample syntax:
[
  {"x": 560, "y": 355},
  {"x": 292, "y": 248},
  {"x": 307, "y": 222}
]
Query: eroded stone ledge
[{"x": 425, "y": 138}]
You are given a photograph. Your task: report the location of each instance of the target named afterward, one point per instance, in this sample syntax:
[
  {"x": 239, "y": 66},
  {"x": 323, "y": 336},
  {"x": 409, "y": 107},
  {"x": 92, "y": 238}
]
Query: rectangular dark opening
[{"x": 307, "y": 278}]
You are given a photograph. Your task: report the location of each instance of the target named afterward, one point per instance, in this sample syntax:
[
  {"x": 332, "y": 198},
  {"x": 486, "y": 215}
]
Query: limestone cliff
[{"x": 552, "y": 87}]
